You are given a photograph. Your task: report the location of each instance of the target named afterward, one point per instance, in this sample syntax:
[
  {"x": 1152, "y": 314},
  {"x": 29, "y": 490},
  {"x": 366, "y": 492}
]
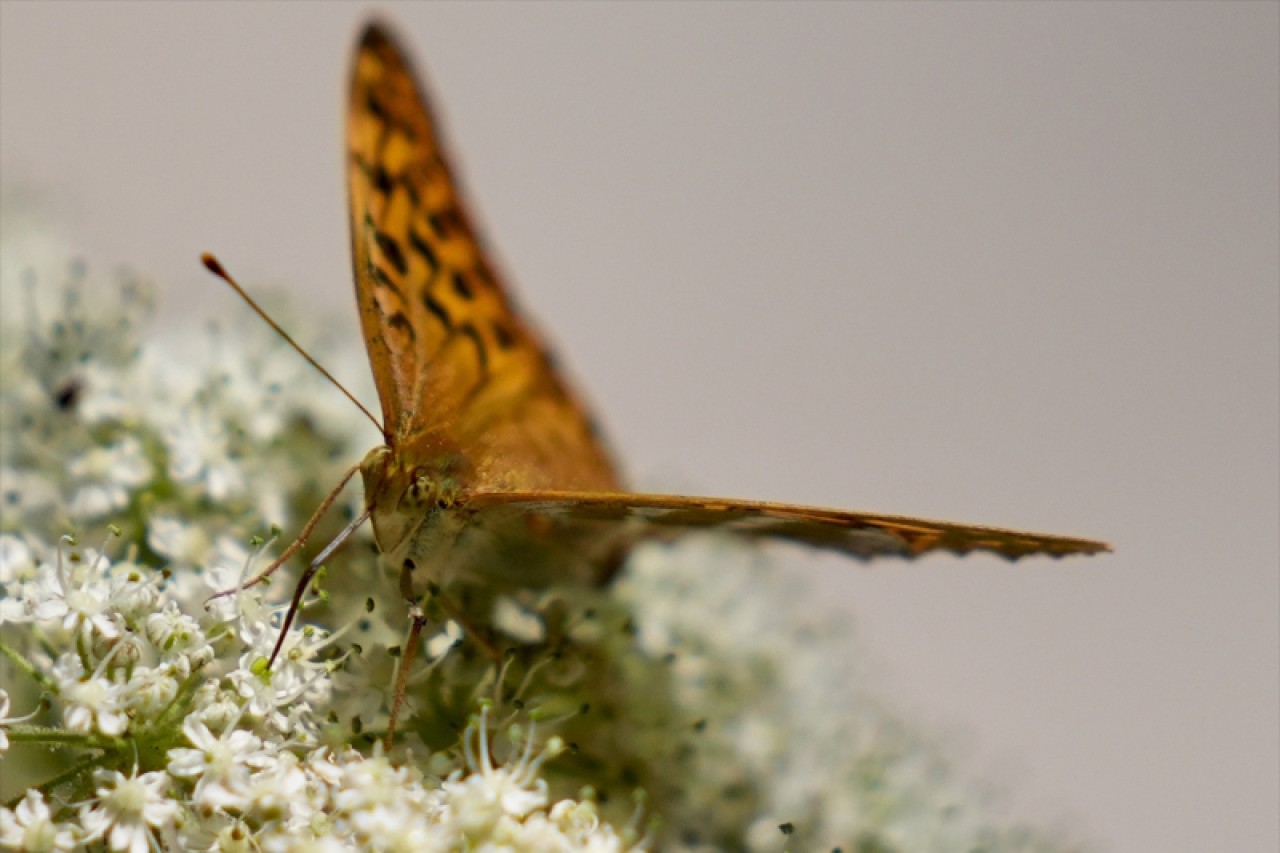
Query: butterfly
[{"x": 492, "y": 470}]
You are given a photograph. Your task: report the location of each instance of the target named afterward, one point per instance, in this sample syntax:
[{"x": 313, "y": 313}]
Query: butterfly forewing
[{"x": 458, "y": 372}]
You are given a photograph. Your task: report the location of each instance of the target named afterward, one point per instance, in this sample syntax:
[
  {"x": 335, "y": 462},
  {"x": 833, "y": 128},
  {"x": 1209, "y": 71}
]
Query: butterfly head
[{"x": 402, "y": 495}]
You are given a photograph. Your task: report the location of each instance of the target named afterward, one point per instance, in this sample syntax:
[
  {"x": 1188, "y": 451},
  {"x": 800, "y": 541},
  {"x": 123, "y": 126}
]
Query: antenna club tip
[{"x": 212, "y": 265}]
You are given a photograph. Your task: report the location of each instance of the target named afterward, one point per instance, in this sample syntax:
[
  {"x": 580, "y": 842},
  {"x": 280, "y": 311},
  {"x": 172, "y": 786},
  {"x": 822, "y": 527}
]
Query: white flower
[
  {"x": 92, "y": 702},
  {"x": 218, "y": 833},
  {"x": 283, "y": 843},
  {"x": 26, "y": 494},
  {"x": 13, "y": 607},
  {"x": 283, "y": 791},
  {"x": 373, "y": 783},
  {"x": 253, "y": 384},
  {"x": 295, "y": 684},
  {"x": 224, "y": 567},
  {"x": 30, "y": 827},
  {"x": 19, "y": 578},
  {"x": 171, "y": 630},
  {"x": 440, "y": 644},
  {"x": 105, "y": 394},
  {"x": 183, "y": 543},
  {"x": 150, "y": 689},
  {"x": 177, "y": 635},
  {"x": 105, "y": 476},
  {"x": 6, "y": 720},
  {"x": 489, "y": 795},
  {"x": 96, "y": 704},
  {"x": 17, "y": 560},
  {"x": 222, "y": 765},
  {"x": 200, "y": 455},
  {"x": 517, "y": 622},
  {"x": 128, "y": 809},
  {"x": 296, "y": 681},
  {"x": 380, "y": 801},
  {"x": 572, "y": 825},
  {"x": 133, "y": 590},
  {"x": 216, "y": 706},
  {"x": 80, "y": 595}
]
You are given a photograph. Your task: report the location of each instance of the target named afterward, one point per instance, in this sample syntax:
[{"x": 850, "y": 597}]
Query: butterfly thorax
[{"x": 426, "y": 527}]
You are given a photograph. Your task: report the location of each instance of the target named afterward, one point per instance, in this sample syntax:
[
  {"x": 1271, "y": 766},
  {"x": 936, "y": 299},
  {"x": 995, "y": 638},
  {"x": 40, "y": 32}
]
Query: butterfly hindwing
[{"x": 856, "y": 534}]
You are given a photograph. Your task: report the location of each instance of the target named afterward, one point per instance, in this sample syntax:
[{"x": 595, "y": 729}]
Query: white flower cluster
[
  {"x": 241, "y": 762},
  {"x": 695, "y": 695},
  {"x": 250, "y": 796}
]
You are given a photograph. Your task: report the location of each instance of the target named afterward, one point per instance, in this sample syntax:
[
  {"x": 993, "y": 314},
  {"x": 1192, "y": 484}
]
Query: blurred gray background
[{"x": 1015, "y": 264}]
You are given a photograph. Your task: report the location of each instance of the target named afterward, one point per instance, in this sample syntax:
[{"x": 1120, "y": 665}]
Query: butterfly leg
[
  {"x": 453, "y": 611},
  {"x": 418, "y": 619},
  {"x": 303, "y": 582}
]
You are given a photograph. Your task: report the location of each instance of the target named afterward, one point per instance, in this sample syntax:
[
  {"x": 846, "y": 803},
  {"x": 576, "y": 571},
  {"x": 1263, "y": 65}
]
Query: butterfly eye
[{"x": 420, "y": 491}]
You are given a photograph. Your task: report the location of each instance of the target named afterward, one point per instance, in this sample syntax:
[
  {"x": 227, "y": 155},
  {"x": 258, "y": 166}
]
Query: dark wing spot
[
  {"x": 438, "y": 310},
  {"x": 362, "y": 164},
  {"x": 409, "y": 180},
  {"x": 401, "y": 322},
  {"x": 503, "y": 335},
  {"x": 481, "y": 351},
  {"x": 422, "y": 247},
  {"x": 462, "y": 287},
  {"x": 391, "y": 251},
  {"x": 375, "y": 109},
  {"x": 382, "y": 180},
  {"x": 445, "y": 222},
  {"x": 383, "y": 280}
]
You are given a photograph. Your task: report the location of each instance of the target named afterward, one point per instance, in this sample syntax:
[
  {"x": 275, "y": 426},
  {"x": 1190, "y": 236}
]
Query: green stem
[
  {"x": 62, "y": 737},
  {"x": 28, "y": 668},
  {"x": 179, "y": 705},
  {"x": 76, "y": 770}
]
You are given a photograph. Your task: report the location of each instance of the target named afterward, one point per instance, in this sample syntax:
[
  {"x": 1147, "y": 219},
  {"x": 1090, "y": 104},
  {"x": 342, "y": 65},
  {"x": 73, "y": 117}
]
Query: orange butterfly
[{"x": 492, "y": 469}]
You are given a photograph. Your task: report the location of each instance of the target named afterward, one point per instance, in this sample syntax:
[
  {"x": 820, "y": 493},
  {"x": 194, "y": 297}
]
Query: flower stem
[
  {"x": 46, "y": 735},
  {"x": 26, "y": 667}
]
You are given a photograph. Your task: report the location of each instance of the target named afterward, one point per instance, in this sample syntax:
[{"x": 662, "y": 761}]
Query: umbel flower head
[{"x": 692, "y": 704}]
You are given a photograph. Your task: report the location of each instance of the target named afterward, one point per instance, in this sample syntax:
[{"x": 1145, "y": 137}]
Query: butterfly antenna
[{"x": 212, "y": 265}]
